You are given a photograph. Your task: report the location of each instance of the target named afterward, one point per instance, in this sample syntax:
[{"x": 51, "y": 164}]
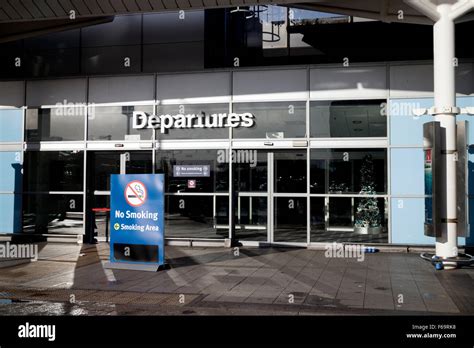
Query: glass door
[
  {"x": 289, "y": 196},
  {"x": 196, "y": 194},
  {"x": 251, "y": 189},
  {"x": 271, "y": 195},
  {"x": 100, "y": 165}
]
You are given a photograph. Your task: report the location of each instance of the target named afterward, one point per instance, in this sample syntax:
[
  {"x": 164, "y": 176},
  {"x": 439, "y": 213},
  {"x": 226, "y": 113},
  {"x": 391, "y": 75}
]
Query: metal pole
[
  {"x": 444, "y": 13},
  {"x": 444, "y": 111}
]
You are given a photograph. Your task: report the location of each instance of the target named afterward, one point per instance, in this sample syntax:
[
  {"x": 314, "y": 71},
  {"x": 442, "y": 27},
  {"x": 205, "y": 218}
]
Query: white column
[{"x": 445, "y": 101}]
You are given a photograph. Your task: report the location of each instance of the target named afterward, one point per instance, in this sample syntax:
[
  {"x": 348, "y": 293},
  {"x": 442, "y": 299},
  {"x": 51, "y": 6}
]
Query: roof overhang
[
  {"x": 410, "y": 11},
  {"x": 39, "y": 17}
]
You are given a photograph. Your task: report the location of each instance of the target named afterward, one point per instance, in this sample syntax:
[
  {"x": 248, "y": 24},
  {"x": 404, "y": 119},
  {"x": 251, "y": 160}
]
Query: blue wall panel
[
  {"x": 11, "y": 122},
  {"x": 408, "y": 222},
  {"x": 405, "y": 128},
  {"x": 10, "y": 213},
  {"x": 407, "y": 176},
  {"x": 407, "y": 173},
  {"x": 10, "y": 192},
  {"x": 10, "y": 172}
]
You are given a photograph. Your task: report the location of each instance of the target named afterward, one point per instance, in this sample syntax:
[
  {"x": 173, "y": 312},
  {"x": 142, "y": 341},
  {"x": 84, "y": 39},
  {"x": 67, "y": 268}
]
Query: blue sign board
[{"x": 137, "y": 219}]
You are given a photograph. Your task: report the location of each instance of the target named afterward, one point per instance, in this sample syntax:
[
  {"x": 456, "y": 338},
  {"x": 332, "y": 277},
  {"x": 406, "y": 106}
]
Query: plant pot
[{"x": 368, "y": 230}]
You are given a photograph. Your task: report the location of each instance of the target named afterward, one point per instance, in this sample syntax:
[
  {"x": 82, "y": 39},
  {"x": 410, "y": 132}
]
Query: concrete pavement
[{"x": 71, "y": 279}]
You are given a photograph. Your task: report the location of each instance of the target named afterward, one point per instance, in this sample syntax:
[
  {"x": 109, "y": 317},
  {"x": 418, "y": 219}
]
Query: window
[
  {"x": 53, "y": 213},
  {"x": 104, "y": 163},
  {"x": 349, "y": 219},
  {"x": 348, "y": 119},
  {"x": 53, "y": 171},
  {"x": 273, "y": 120},
  {"x": 207, "y": 168},
  {"x": 290, "y": 219},
  {"x": 194, "y": 133},
  {"x": 250, "y": 177},
  {"x": 55, "y": 124},
  {"x": 348, "y": 171},
  {"x": 197, "y": 216},
  {"x": 115, "y": 123},
  {"x": 290, "y": 171}
]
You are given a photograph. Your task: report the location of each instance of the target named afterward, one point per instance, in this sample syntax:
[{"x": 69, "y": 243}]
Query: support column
[{"x": 444, "y": 110}]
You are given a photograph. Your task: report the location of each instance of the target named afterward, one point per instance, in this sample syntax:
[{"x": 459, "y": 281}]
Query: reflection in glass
[
  {"x": 342, "y": 119},
  {"x": 290, "y": 219},
  {"x": 44, "y": 213},
  {"x": 306, "y": 18},
  {"x": 213, "y": 178},
  {"x": 193, "y": 216},
  {"x": 338, "y": 220},
  {"x": 115, "y": 123},
  {"x": 341, "y": 217},
  {"x": 251, "y": 177},
  {"x": 318, "y": 174},
  {"x": 53, "y": 171},
  {"x": 318, "y": 216},
  {"x": 193, "y": 133},
  {"x": 222, "y": 212},
  {"x": 251, "y": 218},
  {"x": 105, "y": 163},
  {"x": 273, "y": 120},
  {"x": 290, "y": 171},
  {"x": 56, "y": 124},
  {"x": 339, "y": 170}
]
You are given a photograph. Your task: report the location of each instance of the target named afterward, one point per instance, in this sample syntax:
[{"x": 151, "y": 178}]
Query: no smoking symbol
[{"x": 135, "y": 193}]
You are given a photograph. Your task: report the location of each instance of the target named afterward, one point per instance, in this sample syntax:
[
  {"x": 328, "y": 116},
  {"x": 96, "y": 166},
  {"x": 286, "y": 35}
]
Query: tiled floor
[{"x": 273, "y": 277}]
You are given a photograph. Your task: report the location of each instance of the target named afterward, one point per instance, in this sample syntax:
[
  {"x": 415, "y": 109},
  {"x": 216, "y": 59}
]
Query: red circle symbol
[{"x": 135, "y": 193}]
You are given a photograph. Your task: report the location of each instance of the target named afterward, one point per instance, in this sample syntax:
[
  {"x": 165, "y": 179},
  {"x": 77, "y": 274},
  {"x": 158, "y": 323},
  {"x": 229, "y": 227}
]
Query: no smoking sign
[{"x": 135, "y": 193}]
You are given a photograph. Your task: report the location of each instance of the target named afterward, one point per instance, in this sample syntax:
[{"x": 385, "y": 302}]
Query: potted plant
[{"x": 368, "y": 214}]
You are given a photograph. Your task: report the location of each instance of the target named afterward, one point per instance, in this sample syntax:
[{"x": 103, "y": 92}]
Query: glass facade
[
  {"x": 115, "y": 123},
  {"x": 215, "y": 179},
  {"x": 55, "y": 124},
  {"x": 261, "y": 35},
  {"x": 312, "y": 169},
  {"x": 197, "y": 109},
  {"x": 339, "y": 170},
  {"x": 273, "y": 120},
  {"x": 101, "y": 164},
  {"x": 53, "y": 171},
  {"x": 53, "y": 213},
  {"x": 196, "y": 205},
  {"x": 348, "y": 119}
]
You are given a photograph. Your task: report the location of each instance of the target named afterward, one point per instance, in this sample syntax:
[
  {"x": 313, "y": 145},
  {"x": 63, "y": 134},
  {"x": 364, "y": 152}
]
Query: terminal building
[{"x": 334, "y": 152}]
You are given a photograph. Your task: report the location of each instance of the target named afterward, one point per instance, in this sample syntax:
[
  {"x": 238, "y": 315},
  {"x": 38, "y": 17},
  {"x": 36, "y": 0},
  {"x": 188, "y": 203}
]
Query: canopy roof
[
  {"x": 32, "y": 10},
  {"x": 39, "y": 17}
]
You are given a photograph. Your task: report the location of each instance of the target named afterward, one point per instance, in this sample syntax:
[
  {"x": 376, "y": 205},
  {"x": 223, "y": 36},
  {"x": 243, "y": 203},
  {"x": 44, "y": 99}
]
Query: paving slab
[{"x": 269, "y": 280}]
